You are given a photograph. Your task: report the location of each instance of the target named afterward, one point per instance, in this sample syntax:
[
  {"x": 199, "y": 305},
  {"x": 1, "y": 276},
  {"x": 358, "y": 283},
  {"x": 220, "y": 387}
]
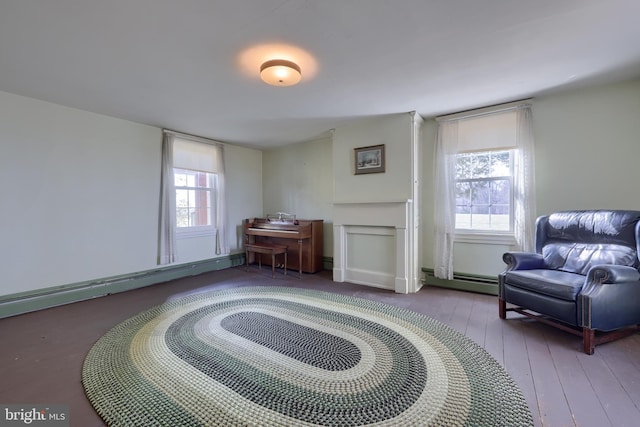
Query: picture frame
[{"x": 369, "y": 159}]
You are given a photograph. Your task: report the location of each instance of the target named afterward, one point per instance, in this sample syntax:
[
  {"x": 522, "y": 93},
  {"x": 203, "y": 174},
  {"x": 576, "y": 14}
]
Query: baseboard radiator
[
  {"x": 463, "y": 281},
  {"x": 11, "y": 305}
]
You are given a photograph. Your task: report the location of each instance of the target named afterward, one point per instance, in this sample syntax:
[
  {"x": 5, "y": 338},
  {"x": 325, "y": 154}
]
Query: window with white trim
[
  {"x": 484, "y": 174},
  {"x": 484, "y": 181},
  {"x": 195, "y": 199},
  {"x": 195, "y": 174},
  {"x": 484, "y": 192},
  {"x": 192, "y": 196}
]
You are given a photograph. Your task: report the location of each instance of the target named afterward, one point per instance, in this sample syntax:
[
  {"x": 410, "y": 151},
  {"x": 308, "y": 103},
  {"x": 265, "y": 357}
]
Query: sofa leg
[
  {"x": 588, "y": 340},
  {"x": 502, "y": 308}
]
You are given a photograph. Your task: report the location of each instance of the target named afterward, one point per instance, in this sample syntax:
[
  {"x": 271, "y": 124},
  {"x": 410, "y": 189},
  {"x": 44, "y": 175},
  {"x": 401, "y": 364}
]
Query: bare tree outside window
[{"x": 484, "y": 190}]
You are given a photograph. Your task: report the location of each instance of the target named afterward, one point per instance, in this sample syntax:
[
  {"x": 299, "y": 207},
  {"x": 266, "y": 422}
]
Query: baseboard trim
[
  {"x": 464, "y": 282},
  {"x": 25, "y": 302}
]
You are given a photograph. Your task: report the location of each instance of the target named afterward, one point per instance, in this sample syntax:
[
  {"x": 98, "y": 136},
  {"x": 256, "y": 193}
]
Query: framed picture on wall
[{"x": 369, "y": 159}]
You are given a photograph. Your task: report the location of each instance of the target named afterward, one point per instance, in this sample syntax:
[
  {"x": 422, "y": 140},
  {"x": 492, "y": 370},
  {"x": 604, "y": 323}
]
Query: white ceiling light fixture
[{"x": 280, "y": 72}]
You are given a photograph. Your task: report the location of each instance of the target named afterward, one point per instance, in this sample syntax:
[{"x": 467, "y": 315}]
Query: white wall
[
  {"x": 395, "y": 184},
  {"x": 587, "y": 151},
  {"x": 588, "y": 148},
  {"x": 297, "y": 179},
  {"x": 81, "y": 194},
  {"x": 243, "y": 172},
  {"x": 306, "y": 178}
]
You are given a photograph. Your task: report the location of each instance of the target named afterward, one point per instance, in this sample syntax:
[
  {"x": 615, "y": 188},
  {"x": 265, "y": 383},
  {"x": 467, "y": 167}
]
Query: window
[
  {"x": 484, "y": 181},
  {"x": 196, "y": 180},
  {"x": 484, "y": 160},
  {"x": 192, "y": 196},
  {"x": 484, "y": 191},
  {"x": 195, "y": 199}
]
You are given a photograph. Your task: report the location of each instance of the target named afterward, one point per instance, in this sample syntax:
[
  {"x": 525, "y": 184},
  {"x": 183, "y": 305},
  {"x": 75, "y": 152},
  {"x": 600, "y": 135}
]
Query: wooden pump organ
[{"x": 299, "y": 240}]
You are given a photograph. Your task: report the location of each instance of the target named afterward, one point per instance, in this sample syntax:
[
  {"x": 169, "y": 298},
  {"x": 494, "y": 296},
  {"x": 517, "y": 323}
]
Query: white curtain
[
  {"x": 445, "y": 201},
  {"x": 167, "y": 229},
  {"x": 524, "y": 181},
  {"x": 222, "y": 245}
]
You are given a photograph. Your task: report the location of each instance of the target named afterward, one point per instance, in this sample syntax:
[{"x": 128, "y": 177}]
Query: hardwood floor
[{"x": 42, "y": 353}]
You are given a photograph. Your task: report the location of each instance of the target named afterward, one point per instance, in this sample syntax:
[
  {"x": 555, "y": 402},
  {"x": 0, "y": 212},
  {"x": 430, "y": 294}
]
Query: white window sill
[{"x": 485, "y": 238}]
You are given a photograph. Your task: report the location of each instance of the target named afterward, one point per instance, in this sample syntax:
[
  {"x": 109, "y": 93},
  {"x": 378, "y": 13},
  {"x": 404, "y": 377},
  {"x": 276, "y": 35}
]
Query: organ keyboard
[{"x": 303, "y": 239}]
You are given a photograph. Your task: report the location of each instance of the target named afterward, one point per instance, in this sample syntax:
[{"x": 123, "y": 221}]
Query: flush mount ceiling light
[{"x": 280, "y": 72}]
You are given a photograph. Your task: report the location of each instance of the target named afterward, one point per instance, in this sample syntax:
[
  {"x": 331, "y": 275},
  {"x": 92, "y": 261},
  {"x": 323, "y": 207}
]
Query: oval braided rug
[{"x": 280, "y": 356}]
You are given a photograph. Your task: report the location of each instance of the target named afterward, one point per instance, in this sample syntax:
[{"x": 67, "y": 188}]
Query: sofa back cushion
[
  {"x": 580, "y": 257},
  {"x": 577, "y": 240}
]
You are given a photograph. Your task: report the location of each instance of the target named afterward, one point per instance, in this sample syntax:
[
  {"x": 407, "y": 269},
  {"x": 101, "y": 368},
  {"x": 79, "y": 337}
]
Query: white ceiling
[{"x": 193, "y": 65}]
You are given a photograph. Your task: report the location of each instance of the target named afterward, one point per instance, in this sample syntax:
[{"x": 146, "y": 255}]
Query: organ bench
[
  {"x": 301, "y": 238},
  {"x": 270, "y": 249}
]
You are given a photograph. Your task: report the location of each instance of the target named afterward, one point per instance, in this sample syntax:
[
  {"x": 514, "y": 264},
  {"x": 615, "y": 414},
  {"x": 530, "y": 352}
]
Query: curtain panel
[
  {"x": 445, "y": 198},
  {"x": 167, "y": 226},
  {"x": 524, "y": 215}
]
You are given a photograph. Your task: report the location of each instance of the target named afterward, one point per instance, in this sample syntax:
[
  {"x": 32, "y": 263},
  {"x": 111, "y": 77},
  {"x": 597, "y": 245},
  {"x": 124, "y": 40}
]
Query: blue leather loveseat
[{"x": 583, "y": 277}]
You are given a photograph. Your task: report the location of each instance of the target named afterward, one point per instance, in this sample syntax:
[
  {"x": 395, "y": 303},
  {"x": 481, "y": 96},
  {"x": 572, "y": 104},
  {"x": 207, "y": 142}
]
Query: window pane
[
  {"x": 182, "y": 198},
  {"x": 479, "y": 205},
  {"x": 463, "y": 195},
  {"x": 182, "y": 217},
  {"x": 201, "y": 208},
  {"x": 500, "y": 195},
  {"x": 500, "y": 164},
  {"x": 464, "y": 166},
  {"x": 463, "y": 202},
  {"x": 195, "y": 198},
  {"x": 480, "y": 196},
  {"x": 483, "y": 190},
  {"x": 179, "y": 179},
  {"x": 500, "y": 191},
  {"x": 499, "y": 218},
  {"x": 482, "y": 165},
  {"x": 463, "y": 221}
]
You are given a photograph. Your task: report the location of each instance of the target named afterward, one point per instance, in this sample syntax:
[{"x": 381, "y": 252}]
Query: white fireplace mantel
[{"x": 375, "y": 244}]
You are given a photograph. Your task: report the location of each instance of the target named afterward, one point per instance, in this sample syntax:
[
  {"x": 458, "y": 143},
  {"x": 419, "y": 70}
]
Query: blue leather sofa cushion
[
  {"x": 575, "y": 241},
  {"x": 605, "y": 227},
  {"x": 554, "y": 283},
  {"x": 580, "y": 257}
]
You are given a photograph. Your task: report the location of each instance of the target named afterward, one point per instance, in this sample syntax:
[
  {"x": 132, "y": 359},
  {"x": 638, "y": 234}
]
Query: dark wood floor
[{"x": 41, "y": 353}]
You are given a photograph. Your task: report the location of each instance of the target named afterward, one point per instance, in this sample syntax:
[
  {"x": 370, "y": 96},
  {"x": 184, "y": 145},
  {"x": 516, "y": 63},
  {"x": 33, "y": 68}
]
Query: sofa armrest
[
  {"x": 609, "y": 297},
  {"x": 605, "y": 273},
  {"x": 523, "y": 260}
]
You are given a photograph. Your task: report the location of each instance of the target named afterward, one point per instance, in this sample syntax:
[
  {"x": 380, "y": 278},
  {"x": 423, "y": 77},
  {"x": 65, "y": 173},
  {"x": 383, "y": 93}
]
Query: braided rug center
[
  {"x": 303, "y": 343},
  {"x": 280, "y": 356}
]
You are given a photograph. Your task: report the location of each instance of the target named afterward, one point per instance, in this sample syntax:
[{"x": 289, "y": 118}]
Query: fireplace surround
[{"x": 375, "y": 244}]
